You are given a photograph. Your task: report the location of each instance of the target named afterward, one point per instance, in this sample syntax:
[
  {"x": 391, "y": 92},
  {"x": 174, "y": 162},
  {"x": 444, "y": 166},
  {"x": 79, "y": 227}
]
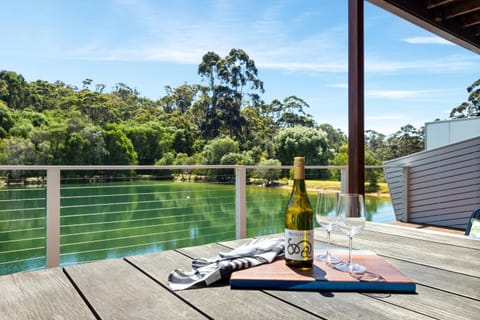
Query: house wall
[
  {"x": 440, "y": 186},
  {"x": 441, "y": 133}
]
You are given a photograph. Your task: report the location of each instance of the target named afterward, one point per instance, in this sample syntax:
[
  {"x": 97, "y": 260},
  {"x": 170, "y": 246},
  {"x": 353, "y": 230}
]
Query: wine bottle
[{"x": 299, "y": 221}]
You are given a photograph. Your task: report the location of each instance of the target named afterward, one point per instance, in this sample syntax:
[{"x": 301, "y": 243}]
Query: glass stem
[
  {"x": 349, "y": 249},
  {"x": 327, "y": 253}
]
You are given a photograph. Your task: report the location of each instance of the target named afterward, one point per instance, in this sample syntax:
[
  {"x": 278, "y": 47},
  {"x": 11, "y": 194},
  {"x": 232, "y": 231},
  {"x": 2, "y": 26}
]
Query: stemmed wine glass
[
  {"x": 327, "y": 218},
  {"x": 351, "y": 212}
]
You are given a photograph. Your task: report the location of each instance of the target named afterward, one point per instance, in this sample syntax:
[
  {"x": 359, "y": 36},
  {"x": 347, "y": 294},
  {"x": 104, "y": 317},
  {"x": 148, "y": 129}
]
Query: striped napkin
[{"x": 206, "y": 271}]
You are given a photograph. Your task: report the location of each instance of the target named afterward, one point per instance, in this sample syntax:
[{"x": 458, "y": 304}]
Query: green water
[{"x": 112, "y": 220}]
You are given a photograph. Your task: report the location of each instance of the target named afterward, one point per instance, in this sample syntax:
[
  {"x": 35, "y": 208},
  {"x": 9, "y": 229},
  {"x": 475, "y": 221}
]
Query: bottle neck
[{"x": 299, "y": 185}]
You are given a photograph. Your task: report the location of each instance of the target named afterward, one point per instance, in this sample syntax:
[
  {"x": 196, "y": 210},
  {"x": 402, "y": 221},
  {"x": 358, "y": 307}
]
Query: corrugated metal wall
[{"x": 441, "y": 185}]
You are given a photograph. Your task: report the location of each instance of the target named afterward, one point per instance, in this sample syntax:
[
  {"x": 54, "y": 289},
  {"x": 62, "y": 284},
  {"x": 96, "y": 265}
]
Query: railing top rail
[{"x": 170, "y": 167}]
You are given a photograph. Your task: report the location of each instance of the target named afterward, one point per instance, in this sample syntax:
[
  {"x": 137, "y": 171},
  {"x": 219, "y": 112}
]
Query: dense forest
[{"x": 222, "y": 120}]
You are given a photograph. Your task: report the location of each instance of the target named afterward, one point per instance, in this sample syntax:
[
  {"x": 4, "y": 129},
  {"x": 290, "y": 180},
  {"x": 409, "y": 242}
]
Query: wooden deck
[{"x": 445, "y": 267}]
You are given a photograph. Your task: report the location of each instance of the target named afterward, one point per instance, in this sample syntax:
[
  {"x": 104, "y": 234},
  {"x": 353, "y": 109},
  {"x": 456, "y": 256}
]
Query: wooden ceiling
[{"x": 455, "y": 20}]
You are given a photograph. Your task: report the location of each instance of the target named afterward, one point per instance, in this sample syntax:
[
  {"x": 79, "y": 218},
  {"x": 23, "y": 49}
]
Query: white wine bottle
[{"x": 299, "y": 221}]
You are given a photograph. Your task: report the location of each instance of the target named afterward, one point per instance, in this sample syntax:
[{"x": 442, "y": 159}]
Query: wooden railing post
[
  {"x": 240, "y": 202},
  {"x": 53, "y": 217},
  {"x": 406, "y": 203}
]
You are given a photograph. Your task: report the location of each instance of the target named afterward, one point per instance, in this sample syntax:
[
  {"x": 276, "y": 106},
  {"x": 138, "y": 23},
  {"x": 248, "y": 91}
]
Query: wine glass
[
  {"x": 351, "y": 212},
  {"x": 327, "y": 218}
]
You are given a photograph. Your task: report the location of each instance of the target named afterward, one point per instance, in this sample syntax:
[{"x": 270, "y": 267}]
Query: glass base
[
  {"x": 351, "y": 267},
  {"x": 329, "y": 259}
]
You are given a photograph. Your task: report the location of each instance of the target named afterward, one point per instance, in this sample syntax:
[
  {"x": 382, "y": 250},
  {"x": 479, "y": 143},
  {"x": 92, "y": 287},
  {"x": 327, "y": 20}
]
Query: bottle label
[{"x": 298, "y": 244}]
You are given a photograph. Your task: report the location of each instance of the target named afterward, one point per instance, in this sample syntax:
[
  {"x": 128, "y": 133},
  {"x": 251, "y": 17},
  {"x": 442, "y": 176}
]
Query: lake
[{"x": 110, "y": 220}]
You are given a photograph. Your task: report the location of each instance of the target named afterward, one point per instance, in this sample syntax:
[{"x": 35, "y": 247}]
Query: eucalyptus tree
[
  {"x": 335, "y": 137},
  {"x": 6, "y": 119},
  {"x": 292, "y": 112},
  {"x": 17, "y": 151},
  {"x": 120, "y": 150},
  {"x": 406, "y": 141},
  {"x": 180, "y": 98},
  {"x": 232, "y": 83},
  {"x": 471, "y": 108},
  {"x": 14, "y": 90}
]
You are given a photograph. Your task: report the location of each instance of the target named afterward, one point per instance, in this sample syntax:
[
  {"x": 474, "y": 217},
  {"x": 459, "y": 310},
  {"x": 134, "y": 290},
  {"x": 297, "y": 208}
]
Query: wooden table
[{"x": 445, "y": 267}]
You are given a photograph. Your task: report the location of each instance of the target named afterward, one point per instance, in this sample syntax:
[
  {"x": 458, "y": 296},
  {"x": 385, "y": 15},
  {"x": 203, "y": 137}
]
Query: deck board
[
  {"x": 443, "y": 266},
  {"x": 426, "y": 252},
  {"x": 218, "y": 305},
  {"x": 119, "y": 291},
  {"x": 452, "y": 282},
  {"x": 44, "y": 294},
  {"x": 437, "y": 304}
]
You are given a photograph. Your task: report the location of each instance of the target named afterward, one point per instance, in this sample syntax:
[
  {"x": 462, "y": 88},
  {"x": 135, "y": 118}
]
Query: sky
[{"x": 299, "y": 47}]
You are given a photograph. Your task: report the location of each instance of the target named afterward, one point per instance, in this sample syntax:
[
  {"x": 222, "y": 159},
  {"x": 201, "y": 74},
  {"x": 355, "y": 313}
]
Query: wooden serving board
[{"x": 380, "y": 276}]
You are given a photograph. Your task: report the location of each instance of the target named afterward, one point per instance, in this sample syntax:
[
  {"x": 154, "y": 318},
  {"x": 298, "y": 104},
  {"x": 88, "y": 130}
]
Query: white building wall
[{"x": 441, "y": 133}]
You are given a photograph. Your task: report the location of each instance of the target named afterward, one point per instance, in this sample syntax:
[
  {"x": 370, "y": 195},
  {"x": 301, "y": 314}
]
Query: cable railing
[
  {"x": 22, "y": 228},
  {"x": 78, "y": 216}
]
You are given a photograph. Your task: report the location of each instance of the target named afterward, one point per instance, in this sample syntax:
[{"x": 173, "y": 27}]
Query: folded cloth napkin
[{"x": 209, "y": 270}]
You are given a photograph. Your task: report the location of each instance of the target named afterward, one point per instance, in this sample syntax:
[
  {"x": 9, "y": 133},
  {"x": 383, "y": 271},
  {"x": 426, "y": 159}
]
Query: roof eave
[{"x": 427, "y": 25}]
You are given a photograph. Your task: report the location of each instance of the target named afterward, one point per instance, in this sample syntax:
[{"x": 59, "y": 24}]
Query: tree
[
  {"x": 259, "y": 131},
  {"x": 340, "y": 159},
  {"x": 213, "y": 153},
  {"x": 17, "y": 151},
  {"x": 301, "y": 141},
  {"x": 230, "y": 80},
  {"x": 268, "y": 175},
  {"x": 335, "y": 137},
  {"x": 146, "y": 139},
  {"x": 377, "y": 143},
  {"x": 120, "y": 149},
  {"x": 471, "y": 108},
  {"x": 407, "y": 140},
  {"x": 217, "y": 148},
  {"x": 14, "y": 90},
  {"x": 86, "y": 146},
  {"x": 179, "y": 99},
  {"x": 6, "y": 120},
  {"x": 292, "y": 113}
]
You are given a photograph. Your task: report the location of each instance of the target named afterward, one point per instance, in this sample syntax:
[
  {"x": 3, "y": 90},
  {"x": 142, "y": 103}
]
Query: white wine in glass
[
  {"x": 351, "y": 212},
  {"x": 327, "y": 218}
]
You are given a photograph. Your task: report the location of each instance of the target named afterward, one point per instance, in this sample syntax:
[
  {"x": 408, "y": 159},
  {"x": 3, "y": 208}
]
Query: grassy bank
[{"x": 322, "y": 185}]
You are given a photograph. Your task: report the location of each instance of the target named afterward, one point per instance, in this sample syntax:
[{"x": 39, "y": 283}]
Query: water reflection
[{"x": 100, "y": 221}]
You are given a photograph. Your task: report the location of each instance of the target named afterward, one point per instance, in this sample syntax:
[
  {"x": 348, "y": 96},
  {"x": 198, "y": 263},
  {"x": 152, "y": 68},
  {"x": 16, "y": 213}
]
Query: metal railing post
[
  {"x": 53, "y": 217},
  {"x": 344, "y": 179},
  {"x": 240, "y": 202}
]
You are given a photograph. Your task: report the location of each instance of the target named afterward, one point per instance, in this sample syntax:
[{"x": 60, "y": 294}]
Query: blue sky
[{"x": 299, "y": 46}]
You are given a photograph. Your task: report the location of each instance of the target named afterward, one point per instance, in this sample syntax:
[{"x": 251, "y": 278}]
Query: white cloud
[
  {"x": 427, "y": 40},
  {"x": 387, "y": 117},
  {"x": 342, "y": 85},
  {"x": 174, "y": 35},
  {"x": 454, "y": 63},
  {"x": 400, "y": 94}
]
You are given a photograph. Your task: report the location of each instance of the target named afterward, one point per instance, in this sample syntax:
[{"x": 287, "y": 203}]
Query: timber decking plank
[
  {"x": 341, "y": 305},
  {"x": 216, "y": 301},
  {"x": 443, "y": 295},
  {"x": 42, "y": 294},
  {"x": 434, "y": 236},
  {"x": 346, "y": 305},
  {"x": 117, "y": 290},
  {"x": 437, "y": 304},
  {"x": 437, "y": 255},
  {"x": 455, "y": 283}
]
